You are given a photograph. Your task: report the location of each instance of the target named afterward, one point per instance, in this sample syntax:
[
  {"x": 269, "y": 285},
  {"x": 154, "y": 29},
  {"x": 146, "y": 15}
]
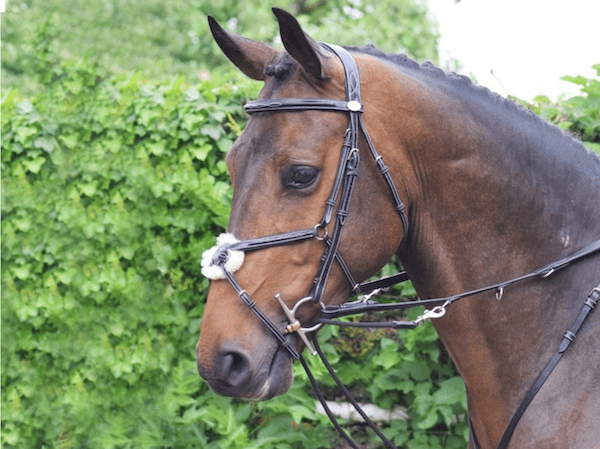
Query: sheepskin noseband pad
[{"x": 221, "y": 252}]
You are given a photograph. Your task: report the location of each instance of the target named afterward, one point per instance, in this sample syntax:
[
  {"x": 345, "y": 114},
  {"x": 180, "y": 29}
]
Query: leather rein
[{"x": 344, "y": 183}]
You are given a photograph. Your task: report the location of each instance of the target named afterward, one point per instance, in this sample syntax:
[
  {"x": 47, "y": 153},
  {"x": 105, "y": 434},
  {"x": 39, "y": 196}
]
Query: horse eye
[{"x": 299, "y": 176}]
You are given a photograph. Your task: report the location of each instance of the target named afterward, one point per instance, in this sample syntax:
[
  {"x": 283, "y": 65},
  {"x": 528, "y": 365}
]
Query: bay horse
[{"x": 475, "y": 190}]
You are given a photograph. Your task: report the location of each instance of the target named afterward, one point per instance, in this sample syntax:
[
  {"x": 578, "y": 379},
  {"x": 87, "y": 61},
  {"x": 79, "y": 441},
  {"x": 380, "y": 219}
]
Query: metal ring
[
  {"x": 325, "y": 234},
  {"x": 299, "y": 303}
]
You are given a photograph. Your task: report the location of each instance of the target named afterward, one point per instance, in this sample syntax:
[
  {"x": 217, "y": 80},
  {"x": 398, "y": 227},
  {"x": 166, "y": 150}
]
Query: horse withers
[{"x": 488, "y": 192}]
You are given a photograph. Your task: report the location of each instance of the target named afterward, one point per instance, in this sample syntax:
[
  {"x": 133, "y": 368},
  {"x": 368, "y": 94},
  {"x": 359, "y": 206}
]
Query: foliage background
[
  {"x": 113, "y": 183},
  {"x": 171, "y": 38}
]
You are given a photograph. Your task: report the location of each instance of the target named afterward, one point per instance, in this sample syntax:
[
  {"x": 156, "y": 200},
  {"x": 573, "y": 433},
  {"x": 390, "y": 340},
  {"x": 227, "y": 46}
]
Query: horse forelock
[{"x": 283, "y": 68}]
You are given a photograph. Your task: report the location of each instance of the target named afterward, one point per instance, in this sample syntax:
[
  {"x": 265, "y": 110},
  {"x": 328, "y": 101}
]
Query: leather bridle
[
  {"x": 342, "y": 187},
  {"x": 344, "y": 182}
]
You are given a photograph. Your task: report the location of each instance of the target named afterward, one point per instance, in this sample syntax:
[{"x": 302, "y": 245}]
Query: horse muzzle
[{"x": 233, "y": 371}]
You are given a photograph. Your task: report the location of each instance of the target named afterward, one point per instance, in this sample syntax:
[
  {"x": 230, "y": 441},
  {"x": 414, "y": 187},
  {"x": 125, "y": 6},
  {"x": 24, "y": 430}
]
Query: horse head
[{"x": 283, "y": 169}]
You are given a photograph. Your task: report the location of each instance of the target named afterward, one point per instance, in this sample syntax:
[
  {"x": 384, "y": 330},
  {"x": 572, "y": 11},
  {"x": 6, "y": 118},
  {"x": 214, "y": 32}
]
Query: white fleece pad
[{"x": 234, "y": 261}]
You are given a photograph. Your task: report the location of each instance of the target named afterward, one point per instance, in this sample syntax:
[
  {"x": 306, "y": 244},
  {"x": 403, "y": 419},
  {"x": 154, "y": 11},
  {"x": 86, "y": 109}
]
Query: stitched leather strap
[
  {"x": 357, "y": 307},
  {"x": 298, "y": 104},
  {"x": 350, "y": 162},
  {"x": 349, "y": 396},
  {"x": 590, "y": 303},
  {"x": 384, "y": 282},
  {"x": 568, "y": 338},
  {"x": 287, "y": 343},
  {"x": 274, "y": 240},
  {"x": 342, "y": 213}
]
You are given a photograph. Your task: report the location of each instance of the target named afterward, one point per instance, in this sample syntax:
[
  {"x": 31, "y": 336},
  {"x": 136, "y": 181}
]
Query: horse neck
[
  {"x": 493, "y": 199},
  {"x": 493, "y": 190}
]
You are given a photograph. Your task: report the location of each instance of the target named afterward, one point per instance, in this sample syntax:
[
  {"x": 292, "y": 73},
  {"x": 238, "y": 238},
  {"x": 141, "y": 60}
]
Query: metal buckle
[{"x": 295, "y": 325}]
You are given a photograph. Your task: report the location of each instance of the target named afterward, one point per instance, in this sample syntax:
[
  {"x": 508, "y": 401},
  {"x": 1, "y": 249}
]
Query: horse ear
[
  {"x": 298, "y": 44},
  {"x": 249, "y": 56}
]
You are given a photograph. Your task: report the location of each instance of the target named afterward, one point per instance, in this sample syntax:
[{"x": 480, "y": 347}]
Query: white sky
[{"x": 529, "y": 44}]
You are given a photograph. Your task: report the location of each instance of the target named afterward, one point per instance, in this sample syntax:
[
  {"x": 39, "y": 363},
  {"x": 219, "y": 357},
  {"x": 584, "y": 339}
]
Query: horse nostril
[{"x": 235, "y": 368}]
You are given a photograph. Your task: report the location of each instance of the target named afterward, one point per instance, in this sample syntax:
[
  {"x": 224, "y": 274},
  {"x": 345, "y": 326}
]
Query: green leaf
[
  {"x": 70, "y": 140},
  {"x": 213, "y": 131},
  {"x": 201, "y": 152},
  {"x": 21, "y": 272},
  {"x": 88, "y": 189},
  {"x": 44, "y": 143},
  {"x": 301, "y": 412},
  {"x": 418, "y": 370},
  {"x": 192, "y": 95},
  {"x": 25, "y": 108},
  {"x": 582, "y": 81},
  {"x": 156, "y": 148},
  {"x": 34, "y": 165},
  {"x": 398, "y": 432},
  {"x": 429, "y": 420},
  {"x": 389, "y": 355},
  {"x": 8, "y": 100},
  {"x": 24, "y": 133},
  {"x": 451, "y": 391},
  {"x": 66, "y": 277}
]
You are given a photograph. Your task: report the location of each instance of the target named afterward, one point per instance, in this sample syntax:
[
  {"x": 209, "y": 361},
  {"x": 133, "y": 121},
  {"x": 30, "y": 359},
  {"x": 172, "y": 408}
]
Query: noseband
[
  {"x": 228, "y": 248},
  {"x": 346, "y": 174}
]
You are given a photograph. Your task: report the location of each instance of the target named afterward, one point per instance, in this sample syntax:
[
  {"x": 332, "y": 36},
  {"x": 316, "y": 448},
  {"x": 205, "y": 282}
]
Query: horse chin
[{"x": 279, "y": 377}]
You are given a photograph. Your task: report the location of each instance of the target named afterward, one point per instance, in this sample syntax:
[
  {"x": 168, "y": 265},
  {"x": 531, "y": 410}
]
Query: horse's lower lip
[
  {"x": 276, "y": 382},
  {"x": 264, "y": 391}
]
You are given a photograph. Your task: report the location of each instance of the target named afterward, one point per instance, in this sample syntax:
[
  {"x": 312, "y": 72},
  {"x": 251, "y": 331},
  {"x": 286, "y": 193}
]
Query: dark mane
[{"x": 463, "y": 87}]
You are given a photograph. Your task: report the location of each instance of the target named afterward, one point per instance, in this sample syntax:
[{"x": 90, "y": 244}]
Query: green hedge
[{"x": 111, "y": 189}]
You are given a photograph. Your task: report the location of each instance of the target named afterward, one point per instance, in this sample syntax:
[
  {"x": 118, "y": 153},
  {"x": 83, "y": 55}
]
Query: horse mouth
[{"x": 279, "y": 376}]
